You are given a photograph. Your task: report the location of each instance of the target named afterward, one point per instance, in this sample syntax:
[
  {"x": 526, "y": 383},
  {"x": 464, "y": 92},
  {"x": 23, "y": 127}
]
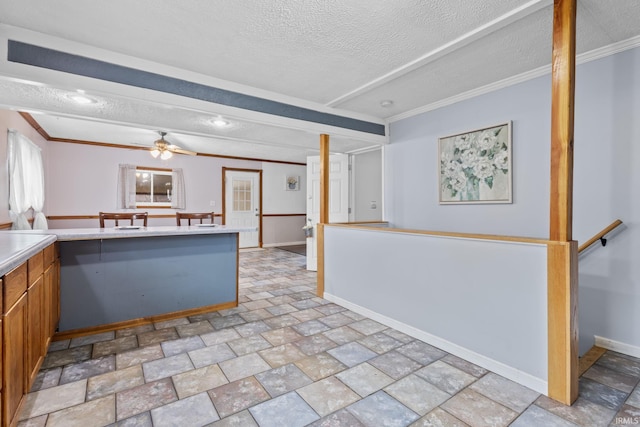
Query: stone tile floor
[{"x": 286, "y": 358}]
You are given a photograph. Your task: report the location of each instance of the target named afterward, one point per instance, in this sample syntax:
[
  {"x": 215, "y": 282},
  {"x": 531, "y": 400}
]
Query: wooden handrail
[
  {"x": 600, "y": 235},
  {"x": 516, "y": 239}
]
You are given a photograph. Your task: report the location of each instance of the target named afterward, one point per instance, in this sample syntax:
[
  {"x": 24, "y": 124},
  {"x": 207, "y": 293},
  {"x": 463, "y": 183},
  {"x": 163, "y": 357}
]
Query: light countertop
[
  {"x": 68, "y": 234},
  {"x": 17, "y": 246}
]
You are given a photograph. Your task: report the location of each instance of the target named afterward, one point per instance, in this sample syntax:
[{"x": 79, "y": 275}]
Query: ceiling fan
[{"x": 165, "y": 150}]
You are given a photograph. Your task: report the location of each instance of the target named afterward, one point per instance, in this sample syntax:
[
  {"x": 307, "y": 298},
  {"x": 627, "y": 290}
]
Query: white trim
[
  {"x": 620, "y": 347},
  {"x": 64, "y": 81},
  {"x": 519, "y": 78},
  {"x": 78, "y": 48},
  {"x": 609, "y": 50},
  {"x": 499, "y": 368},
  {"x": 364, "y": 149},
  {"x": 273, "y": 245},
  {"x": 383, "y": 178},
  {"x": 474, "y": 35}
]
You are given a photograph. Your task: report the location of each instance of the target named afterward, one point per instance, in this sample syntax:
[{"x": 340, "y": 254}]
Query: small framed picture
[{"x": 292, "y": 183}]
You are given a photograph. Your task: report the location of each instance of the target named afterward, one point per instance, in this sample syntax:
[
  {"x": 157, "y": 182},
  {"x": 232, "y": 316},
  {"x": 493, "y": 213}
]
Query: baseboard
[
  {"x": 589, "y": 359},
  {"x": 499, "y": 368},
  {"x": 81, "y": 332},
  {"x": 273, "y": 245},
  {"x": 620, "y": 347}
]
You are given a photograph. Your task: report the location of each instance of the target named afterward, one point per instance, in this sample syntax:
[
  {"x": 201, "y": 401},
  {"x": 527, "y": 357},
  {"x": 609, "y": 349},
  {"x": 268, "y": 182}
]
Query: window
[
  {"x": 26, "y": 179},
  {"x": 154, "y": 188},
  {"x": 241, "y": 195},
  {"x": 140, "y": 187}
]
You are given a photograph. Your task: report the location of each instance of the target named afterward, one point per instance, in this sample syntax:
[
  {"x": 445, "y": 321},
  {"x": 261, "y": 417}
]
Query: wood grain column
[
  {"x": 562, "y": 104},
  {"x": 562, "y": 263},
  {"x": 562, "y": 321},
  {"x": 324, "y": 210},
  {"x": 324, "y": 179}
]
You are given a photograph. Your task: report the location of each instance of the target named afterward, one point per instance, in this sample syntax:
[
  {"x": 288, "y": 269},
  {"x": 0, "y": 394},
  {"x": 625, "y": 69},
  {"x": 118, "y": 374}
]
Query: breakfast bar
[
  {"x": 81, "y": 281},
  {"x": 119, "y": 276}
]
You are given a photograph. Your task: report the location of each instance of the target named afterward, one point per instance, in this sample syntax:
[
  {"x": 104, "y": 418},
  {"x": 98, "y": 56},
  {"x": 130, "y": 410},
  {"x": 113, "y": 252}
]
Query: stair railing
[{"x": 601, "y": 236}]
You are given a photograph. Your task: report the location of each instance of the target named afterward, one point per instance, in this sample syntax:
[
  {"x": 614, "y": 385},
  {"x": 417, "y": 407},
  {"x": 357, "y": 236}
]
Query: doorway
[
  {"x": 338, "y": 198},
  {"x": 242, "y": 203}
]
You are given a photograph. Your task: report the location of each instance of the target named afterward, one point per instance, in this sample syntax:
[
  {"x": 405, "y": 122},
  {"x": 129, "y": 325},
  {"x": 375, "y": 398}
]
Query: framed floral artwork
[
  {"x": 292, "y": 183},
  {"x": 475, "y": 167}
]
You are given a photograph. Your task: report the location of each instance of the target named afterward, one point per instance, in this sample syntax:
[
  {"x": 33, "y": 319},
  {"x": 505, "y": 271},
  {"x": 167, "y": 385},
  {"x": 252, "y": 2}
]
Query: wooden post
[
  {"x": 324, "y": 179},
  {"x": 562, "y": 100},
  {"x": 324, "y": 210},
  {"x": 562, "y": 321},
  {"x": 562, "y": 258}
]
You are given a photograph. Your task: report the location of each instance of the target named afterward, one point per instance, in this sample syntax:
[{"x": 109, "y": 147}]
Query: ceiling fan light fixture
[
  {"x": 166, "y": 154},
  {"x": 155, "y": 152}
]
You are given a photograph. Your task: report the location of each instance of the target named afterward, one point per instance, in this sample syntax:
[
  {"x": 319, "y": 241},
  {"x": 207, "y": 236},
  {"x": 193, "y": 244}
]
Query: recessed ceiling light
[
  {"x": 79, "y": 97},
  {"x": 386, "y": 103},
  {"x": 220, "y": 122}
]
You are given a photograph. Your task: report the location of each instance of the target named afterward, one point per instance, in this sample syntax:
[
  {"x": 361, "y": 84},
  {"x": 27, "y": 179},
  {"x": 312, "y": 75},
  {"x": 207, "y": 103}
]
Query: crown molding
[
  {"x": 520, "y": 78},
  {"x": 475, "y": 34}
]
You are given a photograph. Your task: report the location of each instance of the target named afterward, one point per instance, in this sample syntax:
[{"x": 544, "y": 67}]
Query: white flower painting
[{"x": 475, "y": 167}]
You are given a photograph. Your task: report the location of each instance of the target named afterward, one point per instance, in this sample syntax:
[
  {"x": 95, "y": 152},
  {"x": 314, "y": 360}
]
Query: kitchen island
[{"x": 118, "y": 277}]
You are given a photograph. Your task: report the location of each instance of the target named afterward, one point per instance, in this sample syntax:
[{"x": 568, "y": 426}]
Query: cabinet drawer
[
  {"x": 35, "y": 267},
  {"x": 15, "y": 284}
]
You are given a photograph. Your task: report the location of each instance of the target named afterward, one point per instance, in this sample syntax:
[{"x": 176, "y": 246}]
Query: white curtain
[
  {"x": 126, "y": 187},
  {"x": 178, "y": 200},
  {"x": 26, "y": 182}
]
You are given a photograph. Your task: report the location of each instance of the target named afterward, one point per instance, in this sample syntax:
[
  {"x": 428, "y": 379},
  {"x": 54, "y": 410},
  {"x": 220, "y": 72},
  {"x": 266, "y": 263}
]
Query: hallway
[{"x": 287, "y": 358}]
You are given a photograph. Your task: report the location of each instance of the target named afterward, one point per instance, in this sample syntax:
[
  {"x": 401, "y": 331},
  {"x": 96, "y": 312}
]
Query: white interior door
[
  {"x": 338, "y": 198},
  {"x": 242, "y": 204}
]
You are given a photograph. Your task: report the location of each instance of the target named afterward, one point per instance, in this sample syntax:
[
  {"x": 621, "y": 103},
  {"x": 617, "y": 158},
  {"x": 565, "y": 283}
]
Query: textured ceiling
[{"x": 342, "y": 57}]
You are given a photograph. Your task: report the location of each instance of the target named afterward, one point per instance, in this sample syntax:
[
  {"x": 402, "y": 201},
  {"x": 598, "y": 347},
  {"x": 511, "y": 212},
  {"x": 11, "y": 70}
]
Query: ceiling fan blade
[{"x": 181, "y": 151}]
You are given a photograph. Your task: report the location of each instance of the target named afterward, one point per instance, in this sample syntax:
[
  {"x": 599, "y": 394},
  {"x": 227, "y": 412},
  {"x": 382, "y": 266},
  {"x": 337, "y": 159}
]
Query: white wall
[
  {"x": 289, "y": 206},
  {"x": 367, "y": 186},
  {"x": 81, "y": 181},
  {"x": 606, "y": 187},
  {"x": 411, "y": 164},
  {"x": 279, "y": 200},
  {"x": 606, "y": 181},
  {"x": 83, "y": 178},
  {"x": 484, "y": 301}
]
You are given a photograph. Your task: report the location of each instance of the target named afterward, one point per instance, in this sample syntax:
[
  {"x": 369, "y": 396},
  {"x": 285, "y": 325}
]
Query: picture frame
[
  {"x": 292, "y": 183},
  {"x": 476, "y": 166}
]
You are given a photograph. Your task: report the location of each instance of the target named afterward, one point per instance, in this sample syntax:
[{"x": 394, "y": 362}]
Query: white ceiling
[{"x": 338, "y": 57}]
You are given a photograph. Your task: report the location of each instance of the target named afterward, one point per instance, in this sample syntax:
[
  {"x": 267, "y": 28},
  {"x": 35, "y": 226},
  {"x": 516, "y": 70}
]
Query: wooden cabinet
[
  {"x": 51, "y": 290},
  {"x": 14, "y": 385},
  {"x": 36, "y": 328},
  {"x": 1, "y": 353},
  {"x": 30, "y": 301}
]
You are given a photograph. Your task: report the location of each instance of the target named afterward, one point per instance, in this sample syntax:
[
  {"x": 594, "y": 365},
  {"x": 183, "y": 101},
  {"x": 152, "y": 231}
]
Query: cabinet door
[
  {"x": 1, "y": 377},
  {"x": 55, "y": 309},
  {"x": 14, "y": 327},
  {"x": 36, "y": 329},
  {"x": 49, "y": 305}
]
